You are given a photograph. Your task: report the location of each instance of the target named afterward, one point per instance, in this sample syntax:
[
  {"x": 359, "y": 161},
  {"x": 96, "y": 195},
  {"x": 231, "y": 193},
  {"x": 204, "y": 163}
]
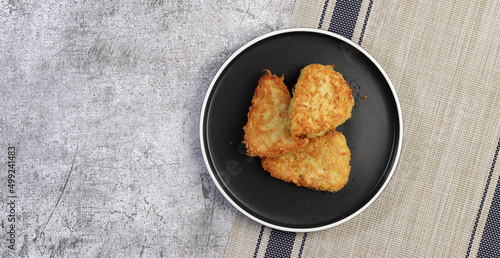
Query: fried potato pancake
[
  {"x": 267, "y": 132},
  {"x": 322, "y": 164},
  {"x": 321, "y": 101}
]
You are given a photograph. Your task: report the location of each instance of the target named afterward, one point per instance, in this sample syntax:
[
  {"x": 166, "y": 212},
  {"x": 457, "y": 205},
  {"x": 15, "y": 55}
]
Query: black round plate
[{"x": 373, "y": 134}]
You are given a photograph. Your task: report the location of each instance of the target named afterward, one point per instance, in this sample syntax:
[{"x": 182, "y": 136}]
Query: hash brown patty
[
  {"x": 322, "y": 100},
  {"x": 322, "y": 164},
  {"x": 267, "y": 132}
]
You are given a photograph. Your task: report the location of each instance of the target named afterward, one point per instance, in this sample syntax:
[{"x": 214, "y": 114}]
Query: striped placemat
[{"x": 444, "y": 198}]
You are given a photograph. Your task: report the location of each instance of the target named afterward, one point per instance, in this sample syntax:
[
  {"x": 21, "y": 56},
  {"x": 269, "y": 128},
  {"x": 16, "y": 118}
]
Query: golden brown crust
[
  {"x": 322, "y": 100},
  {"x": 322, "y": 164},
  {"x": 267, "y": 132}
]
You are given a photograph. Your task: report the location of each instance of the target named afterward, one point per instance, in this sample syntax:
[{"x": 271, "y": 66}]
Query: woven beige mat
[{"x": 443, "y": 58}]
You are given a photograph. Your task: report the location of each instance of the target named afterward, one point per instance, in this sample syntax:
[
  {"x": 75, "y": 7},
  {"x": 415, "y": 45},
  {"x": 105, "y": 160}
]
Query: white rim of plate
[{"x": 202, "y": 122}]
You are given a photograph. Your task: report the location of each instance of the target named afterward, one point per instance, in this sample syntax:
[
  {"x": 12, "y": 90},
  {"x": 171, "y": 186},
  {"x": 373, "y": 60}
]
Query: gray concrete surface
[{"x": 100, "y": 101}]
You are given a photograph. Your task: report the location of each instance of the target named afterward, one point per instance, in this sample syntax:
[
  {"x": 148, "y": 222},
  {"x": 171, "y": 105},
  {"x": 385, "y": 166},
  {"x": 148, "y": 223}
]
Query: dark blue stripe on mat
[
  {"x": 365, "y": 22},
  {"x": 302, "y": 245},
  {"x": 345, "y": 14},
  {"x": 323, "y": 14},
  {"x": 490, "y": 241},
  {"x": 280, "y": 244},
  {"x": 258, "y": 242},
  {"x": 482, "y": 200}
]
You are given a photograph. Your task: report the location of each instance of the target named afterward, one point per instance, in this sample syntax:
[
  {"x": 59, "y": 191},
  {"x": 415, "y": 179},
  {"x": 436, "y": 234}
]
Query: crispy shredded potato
[
  {"x": 267, "y": 132},
  {"x": 322, "y": 164},
  {"x": 321, "y": 101}
]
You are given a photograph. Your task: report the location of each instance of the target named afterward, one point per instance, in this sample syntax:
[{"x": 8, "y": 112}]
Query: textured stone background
[{"x": 101, "y": 100}]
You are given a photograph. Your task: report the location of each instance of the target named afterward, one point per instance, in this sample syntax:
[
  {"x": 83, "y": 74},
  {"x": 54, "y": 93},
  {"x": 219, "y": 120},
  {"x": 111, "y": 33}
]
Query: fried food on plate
[
  {"x": 267, "y": 132},
  {"x": 321, "y": 101},
  {"x": 322, "y": 164}
]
